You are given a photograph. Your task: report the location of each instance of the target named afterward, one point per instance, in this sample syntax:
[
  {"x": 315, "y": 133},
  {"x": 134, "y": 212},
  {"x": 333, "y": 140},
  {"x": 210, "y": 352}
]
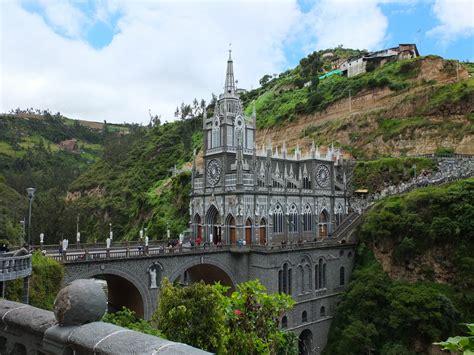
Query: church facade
[{"x": 261, "y": 196}]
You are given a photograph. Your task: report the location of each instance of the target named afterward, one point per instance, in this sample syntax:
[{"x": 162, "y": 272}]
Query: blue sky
[{"x": 116, "y": 60}]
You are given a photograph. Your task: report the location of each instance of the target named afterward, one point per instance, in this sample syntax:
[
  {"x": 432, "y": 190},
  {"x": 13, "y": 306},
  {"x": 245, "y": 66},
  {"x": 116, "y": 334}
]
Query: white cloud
[
  {"x": 354, "y": 24},
  {"x": 456, "y": 19},
  {"x": 163, "y": 54}
]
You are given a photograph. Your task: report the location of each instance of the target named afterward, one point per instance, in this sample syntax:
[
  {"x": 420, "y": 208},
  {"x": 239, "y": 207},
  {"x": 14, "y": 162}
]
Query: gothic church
[{"x": 261, "y": 196}]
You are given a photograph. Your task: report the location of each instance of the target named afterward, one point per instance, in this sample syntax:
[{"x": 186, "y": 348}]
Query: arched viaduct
[{"x": 314, "y": 274}]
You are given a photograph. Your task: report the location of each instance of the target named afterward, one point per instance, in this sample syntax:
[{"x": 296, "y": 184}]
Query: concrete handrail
[{"x": 32, "y": 330}]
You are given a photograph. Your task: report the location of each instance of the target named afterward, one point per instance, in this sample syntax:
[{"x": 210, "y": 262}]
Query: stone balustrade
[
  {"x": 14, "y": 267},
  {"x": 72, "y": 329}
]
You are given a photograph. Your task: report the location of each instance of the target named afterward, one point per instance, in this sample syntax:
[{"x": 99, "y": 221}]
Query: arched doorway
[
  {"x": 213, "y": 221},
  {"x": 122, "y": 293},
  {"x": 197, "y": 227},
  {"x": 305, "y": 342},
  {"x": 208, "y": 273},
  {"x": 231, "y": 229},
  {"x": 263, "y": 231},
  {"x": 248, "y": 231},
  {"x": 323, "y": 224}
]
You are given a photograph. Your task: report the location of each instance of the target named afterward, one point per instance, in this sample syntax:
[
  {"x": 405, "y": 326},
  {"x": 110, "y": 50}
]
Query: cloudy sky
[{"x": 116, "y": 60}]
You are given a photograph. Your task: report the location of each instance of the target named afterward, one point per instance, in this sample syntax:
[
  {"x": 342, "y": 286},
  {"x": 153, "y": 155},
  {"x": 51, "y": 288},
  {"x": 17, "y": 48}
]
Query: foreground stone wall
[{"x": 29, "y": 330}]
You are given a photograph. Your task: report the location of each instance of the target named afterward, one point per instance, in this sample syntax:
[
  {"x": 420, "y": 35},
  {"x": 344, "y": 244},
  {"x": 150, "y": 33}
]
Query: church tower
[{"x": 228, "y": 125}]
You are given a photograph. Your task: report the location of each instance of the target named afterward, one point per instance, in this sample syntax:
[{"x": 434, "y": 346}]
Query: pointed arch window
[
  {"x": 278, "y": 219},
  {"x": 216, "y": 134},
  {"x": 284, "y": 322},
  {"x": 284, "y": 279},
  {"x": 307, "y": 219},
  {"x": 306, "y": 183},
  {"x": 320, "y": 275},
  {"x": 293, "y": 219}
]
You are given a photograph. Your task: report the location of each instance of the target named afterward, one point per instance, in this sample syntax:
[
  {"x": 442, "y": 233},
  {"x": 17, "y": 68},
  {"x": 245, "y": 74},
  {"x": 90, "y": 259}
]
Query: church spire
[{"x": 229, "y": 76}]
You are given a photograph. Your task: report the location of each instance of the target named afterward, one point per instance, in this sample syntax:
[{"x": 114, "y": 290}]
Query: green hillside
[
  {"x": 136, "y": 190},
  {"x": 283, "y": 98},
  {"x": 425, "y": 290},
  {"x": 31, "y": 156}
]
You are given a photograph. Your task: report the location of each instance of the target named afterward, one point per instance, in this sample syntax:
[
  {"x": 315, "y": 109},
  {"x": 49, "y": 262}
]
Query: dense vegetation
[
  {"x": 136, "y": 191},
  {"x": 433, "y": 229},
  {"x": 31, "y": 156},
  {"x": 246, "y": 322},
  {"x": 45, "y": 283},
  {"x": 283, "y": 98}
]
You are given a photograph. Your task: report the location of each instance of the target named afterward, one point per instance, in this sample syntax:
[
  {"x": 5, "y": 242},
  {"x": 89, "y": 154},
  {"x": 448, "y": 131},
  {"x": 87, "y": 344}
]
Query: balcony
[{"x": 14, "y": 267}]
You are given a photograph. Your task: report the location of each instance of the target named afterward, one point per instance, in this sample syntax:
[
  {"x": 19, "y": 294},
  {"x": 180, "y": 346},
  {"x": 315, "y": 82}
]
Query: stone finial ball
[{"x": 80, "y": 302}]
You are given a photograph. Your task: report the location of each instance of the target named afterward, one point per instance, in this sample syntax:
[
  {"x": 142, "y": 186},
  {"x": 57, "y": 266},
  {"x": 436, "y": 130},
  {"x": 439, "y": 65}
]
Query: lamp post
[
  {"x": 31, "y": 195},
  {"x": 23, "y": 226},
  {"x": 110, "y": 232}
]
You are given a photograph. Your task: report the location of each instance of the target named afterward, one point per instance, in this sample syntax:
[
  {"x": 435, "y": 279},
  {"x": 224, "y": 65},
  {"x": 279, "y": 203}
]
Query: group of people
[{"x": 4, "y": 248}]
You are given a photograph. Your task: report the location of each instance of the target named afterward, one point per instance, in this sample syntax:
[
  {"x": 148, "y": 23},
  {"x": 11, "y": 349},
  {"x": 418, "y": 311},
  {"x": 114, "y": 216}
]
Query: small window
[
  {"x": 304, "y": 317},
  {"x": 349, "y": 255},
  {"x": 341, "y": 276},
  {"x": 322, "y": 312},
  {"x": 284, "y": 322},
  {"x": 341, "y": 252}
]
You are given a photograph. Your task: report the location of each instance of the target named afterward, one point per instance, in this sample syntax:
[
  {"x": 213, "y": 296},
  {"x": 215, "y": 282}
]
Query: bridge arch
[
  {"x": 124, "y": 289},
  {"x": 208, "y": 270}
]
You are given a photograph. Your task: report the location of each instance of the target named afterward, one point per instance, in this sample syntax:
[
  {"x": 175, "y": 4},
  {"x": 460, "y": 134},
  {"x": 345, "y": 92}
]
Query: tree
[
  {"x": 253, "y": 318},
  {"x": 265, "y": 79},
  {"x": 311, "y": 65},
  {"x": 244, "y": 323},
  {"x": 194, "y": 315}
]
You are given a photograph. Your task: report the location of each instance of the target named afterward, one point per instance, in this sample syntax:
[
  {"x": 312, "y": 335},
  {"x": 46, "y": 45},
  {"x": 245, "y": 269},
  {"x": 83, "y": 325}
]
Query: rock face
[{"x": 80, "y": 302}]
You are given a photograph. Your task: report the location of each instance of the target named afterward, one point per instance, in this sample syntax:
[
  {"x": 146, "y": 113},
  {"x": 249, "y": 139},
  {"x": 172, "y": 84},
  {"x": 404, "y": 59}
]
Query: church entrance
[
  {"x": 213, "y": 222},
  {"x": 263, "y": 231},
  {"x": 248, "y": 231},
  {"x": 231, "y": 229},
  {"x": 323, "y": 225},
  {"x": 197, "y": 227}
]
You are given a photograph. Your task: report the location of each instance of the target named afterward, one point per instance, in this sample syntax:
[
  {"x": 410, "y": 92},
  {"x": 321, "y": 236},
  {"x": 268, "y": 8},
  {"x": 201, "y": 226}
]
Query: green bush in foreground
[
  {"x": 128, "y": 319},
  {"x": 203, "y": 316},
  {"x": 460, "y": 343}
]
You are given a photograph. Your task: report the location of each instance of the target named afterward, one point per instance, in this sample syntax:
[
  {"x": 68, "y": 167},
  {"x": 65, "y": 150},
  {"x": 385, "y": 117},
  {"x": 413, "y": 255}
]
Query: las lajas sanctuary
[{"x": 263, "y": 196}]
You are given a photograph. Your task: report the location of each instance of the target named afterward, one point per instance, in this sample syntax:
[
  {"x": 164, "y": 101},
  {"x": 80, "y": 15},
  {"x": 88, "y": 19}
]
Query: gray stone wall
[{"x": 30, "y": 330}]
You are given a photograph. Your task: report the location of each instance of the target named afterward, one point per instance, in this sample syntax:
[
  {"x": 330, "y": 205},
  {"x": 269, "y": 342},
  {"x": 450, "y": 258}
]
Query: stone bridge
[{"x": 314, "y": 274}]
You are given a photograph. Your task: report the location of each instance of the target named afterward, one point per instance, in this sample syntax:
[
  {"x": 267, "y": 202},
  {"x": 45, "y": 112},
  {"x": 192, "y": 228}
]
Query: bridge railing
[
  {"x": 353, "y": 221},
  {"x": 121, "y": 253},
  {"x": 14, "y": 267}
]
